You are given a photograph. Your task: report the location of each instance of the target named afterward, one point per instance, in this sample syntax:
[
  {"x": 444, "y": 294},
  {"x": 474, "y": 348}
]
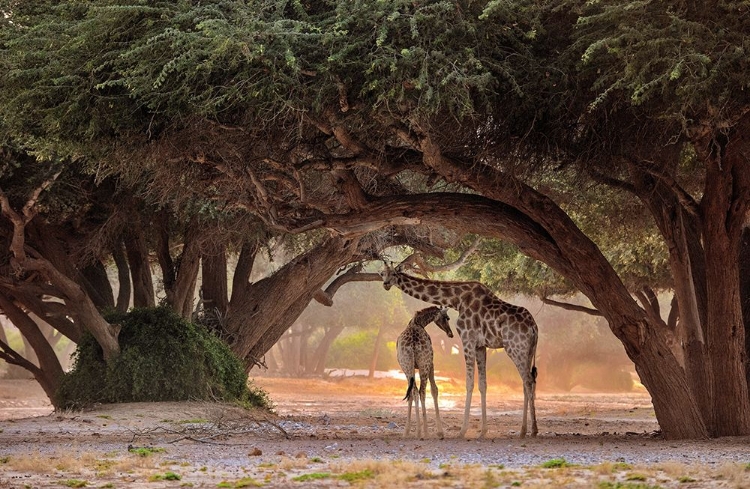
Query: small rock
[{"x": 255, "y": 452}]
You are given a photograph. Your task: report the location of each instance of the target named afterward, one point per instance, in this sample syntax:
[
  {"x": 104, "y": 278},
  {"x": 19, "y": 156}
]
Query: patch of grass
[
  {"x": 192, "y": 421},
  {"x": 104, "y": 416},
  {"x": 145, "y": 451},
  {"x": 73, "y": 483},
  {"x": 625, "y": 485},
  {"x": 244, "y": 482},
  {"x": 312, "y": 477},
  {"x": 685, "y": 479},
  {"x": 636, "y": 477},
  {"x": 167, "y": 476},
  {"x": 316, "y": 460},
  {"x": 515, "y": 484},
  {"x": 4, "y": 460},
  {"x": 555, "y": 463},
  {"x": 357, "y": 476}
]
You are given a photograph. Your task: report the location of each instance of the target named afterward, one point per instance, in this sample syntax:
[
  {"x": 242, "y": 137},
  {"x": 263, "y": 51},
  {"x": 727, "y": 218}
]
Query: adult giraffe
[{"x": 484, "y": 321}]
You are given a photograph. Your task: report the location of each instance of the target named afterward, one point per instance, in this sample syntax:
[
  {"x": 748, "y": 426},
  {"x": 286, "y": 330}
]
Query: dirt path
[{"x": 349, "y": 432}]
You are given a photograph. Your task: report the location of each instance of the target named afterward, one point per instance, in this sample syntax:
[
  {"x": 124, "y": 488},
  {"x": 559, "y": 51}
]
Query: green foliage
[
  {"x": 145, "y": 451},
  {"x": 555, "y": 463},
  {"x": 312, "y": 477},
  {"x": 355, "y": 351},
  {"x": 357, "y": 476},
  {"x": 74, "y": 483},
  {"x": 650, "y": 49},
  {"x": 167, "y": 476},
  {"x": 162, "y": 358}
]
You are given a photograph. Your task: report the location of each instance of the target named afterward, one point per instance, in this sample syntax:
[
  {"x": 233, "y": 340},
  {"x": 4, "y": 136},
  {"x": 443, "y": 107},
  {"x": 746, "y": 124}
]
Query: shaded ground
[{"x": 349, "y": 433}]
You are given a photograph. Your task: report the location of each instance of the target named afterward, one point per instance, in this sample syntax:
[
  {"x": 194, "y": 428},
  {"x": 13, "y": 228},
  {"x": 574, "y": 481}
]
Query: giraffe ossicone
[
  {"x": 484, "y": 322},
  {"x": 414, "y": 352}
]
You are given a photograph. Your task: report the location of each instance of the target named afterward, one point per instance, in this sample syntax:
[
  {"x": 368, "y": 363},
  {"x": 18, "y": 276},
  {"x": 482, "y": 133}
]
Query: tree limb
[
  {"x": 353, "y": 274},
  {"x": 572, "y": 307},
  {"x": 417, "y": 263}
]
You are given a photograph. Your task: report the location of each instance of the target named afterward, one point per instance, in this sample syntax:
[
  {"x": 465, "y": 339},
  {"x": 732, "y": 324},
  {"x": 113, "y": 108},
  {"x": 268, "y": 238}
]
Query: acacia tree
[{"x": 340, "y": 116}]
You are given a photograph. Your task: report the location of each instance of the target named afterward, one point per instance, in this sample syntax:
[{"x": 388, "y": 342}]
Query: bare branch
[
  {"x": 353, "y": 274},
  {"x": 650, "y": 304},
  {"x": 17, "y": 245},
  {"x": 571, "y": 307},
  {"x": 416, "y": 262},
  {"x": 29, "y": 209},
  {"x": 682, "y": 195},
  {"x": 14, "y": 358},
  {"x": 611, "y": 182}
]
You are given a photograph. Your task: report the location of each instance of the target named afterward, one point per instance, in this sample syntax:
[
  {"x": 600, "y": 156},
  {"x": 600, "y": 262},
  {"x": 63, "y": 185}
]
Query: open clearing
[{"x": 348, "y": 433}]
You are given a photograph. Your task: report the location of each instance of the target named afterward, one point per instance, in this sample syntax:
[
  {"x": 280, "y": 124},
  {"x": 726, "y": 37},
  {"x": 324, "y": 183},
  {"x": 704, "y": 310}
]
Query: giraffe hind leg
[
  {"x": 408, "y": 398},
  {"x": 434, "y": 391}
]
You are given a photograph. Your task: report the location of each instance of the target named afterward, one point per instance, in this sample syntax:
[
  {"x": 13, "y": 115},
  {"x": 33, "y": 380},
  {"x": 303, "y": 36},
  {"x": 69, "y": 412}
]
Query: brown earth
[{"x": 349, "y": 432}]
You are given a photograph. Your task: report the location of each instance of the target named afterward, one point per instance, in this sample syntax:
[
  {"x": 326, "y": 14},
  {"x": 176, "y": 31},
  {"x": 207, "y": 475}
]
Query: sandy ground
[{"x": 349, "y": 432}]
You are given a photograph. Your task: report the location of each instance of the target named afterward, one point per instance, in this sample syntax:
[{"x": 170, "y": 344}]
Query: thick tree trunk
[
  {"x": 48, "y": 372},
  {"x": 140, "y": 270},
  {"x": 214, "y": 280},
  {"x": 260, "y": 313},
  {"x": 724, "y": 206},
  {"x": 744, "y": 267},
  {"x": 97, "y": 285},
  {"x": 179, "y": 276},
  {"x": 123, "y": 277}
]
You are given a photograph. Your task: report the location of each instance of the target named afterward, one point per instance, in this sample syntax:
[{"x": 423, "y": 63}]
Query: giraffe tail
[{"x": 412, "y": 382}]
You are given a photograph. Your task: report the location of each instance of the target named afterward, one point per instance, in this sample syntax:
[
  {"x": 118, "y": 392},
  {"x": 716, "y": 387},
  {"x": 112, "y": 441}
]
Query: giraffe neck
[
  {"x": 439, "y": 293},
  {"x": 424, "y": 317}
]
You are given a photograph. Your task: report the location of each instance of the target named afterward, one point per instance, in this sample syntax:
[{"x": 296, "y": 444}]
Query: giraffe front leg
[
  {"x": 482, "y": 370},
  {"x": 470, "y": 361}
]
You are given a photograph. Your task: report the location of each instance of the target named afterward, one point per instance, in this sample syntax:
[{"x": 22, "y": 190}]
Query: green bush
[{"x": 163, "y": 358}]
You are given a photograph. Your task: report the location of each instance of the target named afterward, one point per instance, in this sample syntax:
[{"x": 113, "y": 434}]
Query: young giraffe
[
  {"x": 414, "y": 352},
  {"x": 484, "y": 322}
]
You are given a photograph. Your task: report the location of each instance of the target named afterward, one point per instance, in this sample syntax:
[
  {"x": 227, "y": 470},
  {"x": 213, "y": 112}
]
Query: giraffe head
[
  {"x": 389, "y": 275},
  {"x": 443, "y": 321}
]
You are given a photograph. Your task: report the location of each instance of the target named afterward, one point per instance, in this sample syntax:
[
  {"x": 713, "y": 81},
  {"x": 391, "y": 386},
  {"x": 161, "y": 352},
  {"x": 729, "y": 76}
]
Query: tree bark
[
  {"x": 140, "y": 270},
  {"x": 725, "y": 205},
  {"x": 48, "y": 372},
  {"x": 214, "y": 280},
  {"x": 261, "y": 312},
  {"x": 744, "y": 267},
  {"x": 123, "y": 277},
  {"x": 97, "y": 285}
]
